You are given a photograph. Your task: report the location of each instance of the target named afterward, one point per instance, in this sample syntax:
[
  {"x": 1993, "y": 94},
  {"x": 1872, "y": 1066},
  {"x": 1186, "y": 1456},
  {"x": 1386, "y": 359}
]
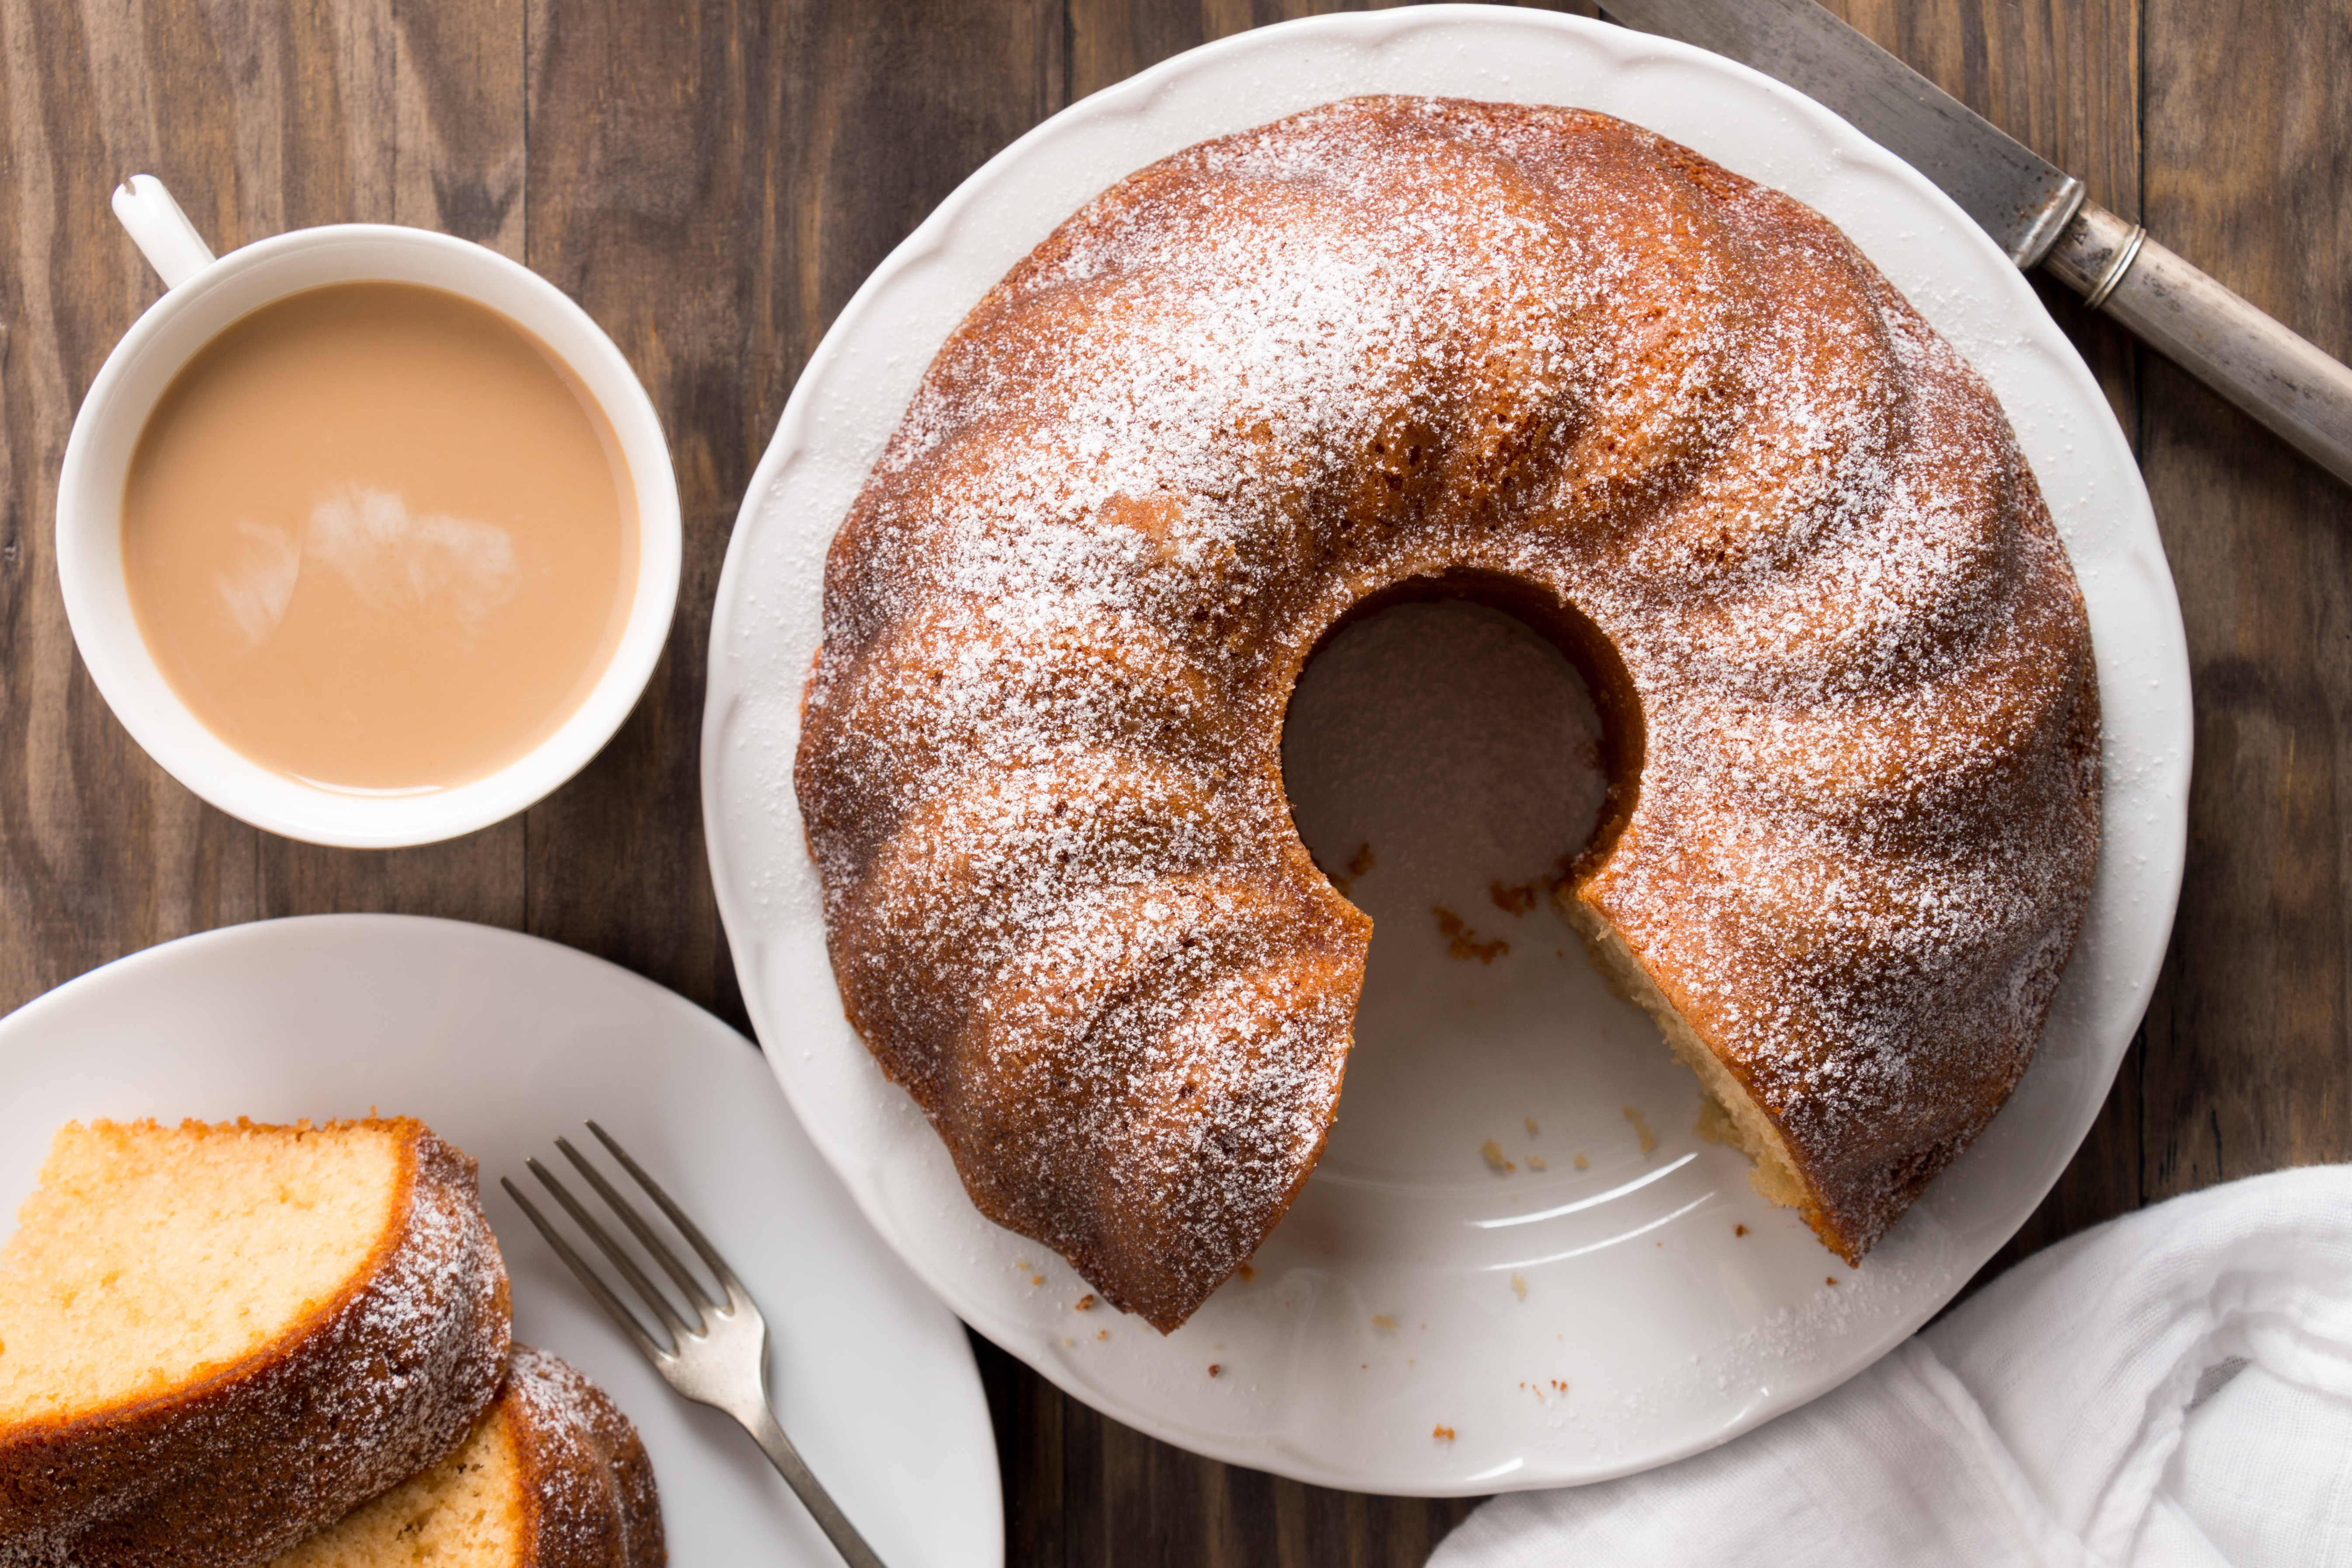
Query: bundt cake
[
  {"x": 552, "y": 1476},
  {"x": 218, "y": 1339},
  {"x": 1390, "y": 348}
]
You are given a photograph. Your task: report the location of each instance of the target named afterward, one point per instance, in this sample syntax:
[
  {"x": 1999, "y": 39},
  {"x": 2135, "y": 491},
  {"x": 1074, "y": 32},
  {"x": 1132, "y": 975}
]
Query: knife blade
[
  {"x": 2018, "y": 197},
  {"x": 2034, "y": 211}
]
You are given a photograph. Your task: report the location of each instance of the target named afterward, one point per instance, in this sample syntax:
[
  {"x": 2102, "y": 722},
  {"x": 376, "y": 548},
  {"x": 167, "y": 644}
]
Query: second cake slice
[
  {"x": 554, "y": 1477},
  {"x": 217, "y": 1339}
]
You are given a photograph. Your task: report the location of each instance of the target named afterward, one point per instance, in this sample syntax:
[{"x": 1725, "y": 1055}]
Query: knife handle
[{"x": 2212, "y": 332}]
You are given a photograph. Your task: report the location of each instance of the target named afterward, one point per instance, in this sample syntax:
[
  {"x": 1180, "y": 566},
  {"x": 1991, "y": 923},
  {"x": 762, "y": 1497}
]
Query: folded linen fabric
[{"x": 2173, "y": 1388}]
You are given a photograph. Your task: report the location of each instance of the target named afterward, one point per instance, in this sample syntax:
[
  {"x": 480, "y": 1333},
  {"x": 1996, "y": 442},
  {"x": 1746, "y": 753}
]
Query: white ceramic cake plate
[
  {"x": 500, "y": 1042},
  {"x": 1563, "y": 1324}
]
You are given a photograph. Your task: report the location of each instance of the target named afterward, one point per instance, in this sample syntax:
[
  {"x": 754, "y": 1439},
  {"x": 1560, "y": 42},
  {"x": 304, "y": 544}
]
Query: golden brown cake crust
[
  {"x": 372, "y": 1386},
  {"x": 1394, "y": 347},
  {"x": 588, "y": 1483}
]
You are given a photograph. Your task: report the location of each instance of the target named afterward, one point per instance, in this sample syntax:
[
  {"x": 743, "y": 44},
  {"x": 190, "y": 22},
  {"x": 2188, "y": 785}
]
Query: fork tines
[
  {"x": 720, "y": 1357},
  {"x": 698, "y": 1302}
]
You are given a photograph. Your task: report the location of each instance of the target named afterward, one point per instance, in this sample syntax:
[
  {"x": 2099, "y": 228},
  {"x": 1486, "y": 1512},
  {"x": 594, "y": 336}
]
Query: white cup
[{"x": 202, "y": 295}]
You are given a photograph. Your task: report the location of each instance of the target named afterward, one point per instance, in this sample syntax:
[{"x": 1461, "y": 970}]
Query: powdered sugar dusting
[{"x": 1259, "y": 382}]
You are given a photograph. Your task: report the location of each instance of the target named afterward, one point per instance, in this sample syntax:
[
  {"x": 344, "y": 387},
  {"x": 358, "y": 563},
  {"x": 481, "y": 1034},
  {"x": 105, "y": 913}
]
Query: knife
[{"x": 2034, "y": 211}]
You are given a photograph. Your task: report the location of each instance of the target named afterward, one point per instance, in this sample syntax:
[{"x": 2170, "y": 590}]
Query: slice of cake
[
  {"x": 215, "y": 1340},
  {"x": 554, "y": 1476}
]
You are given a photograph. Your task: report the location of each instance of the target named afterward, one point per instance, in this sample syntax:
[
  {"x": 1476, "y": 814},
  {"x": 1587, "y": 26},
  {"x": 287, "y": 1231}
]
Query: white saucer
[
  {"x": 1388, "y": 1306},
  {"x": 501, "y": 1042}
]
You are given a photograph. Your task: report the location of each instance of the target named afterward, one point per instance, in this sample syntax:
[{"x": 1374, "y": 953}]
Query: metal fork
[{"x": 722, "y": 1360}]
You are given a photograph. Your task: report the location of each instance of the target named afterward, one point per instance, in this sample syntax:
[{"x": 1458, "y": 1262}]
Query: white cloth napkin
[{"x": 2172, "y": 1388}]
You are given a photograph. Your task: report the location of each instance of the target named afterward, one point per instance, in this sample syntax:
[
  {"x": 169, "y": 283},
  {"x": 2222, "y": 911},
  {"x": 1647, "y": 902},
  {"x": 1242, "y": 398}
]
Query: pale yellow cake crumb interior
[
  {"x": 152, "y": 1256},
  {"x": 1730, "y": 1116},
  {"x": 467, "y": 1512}
]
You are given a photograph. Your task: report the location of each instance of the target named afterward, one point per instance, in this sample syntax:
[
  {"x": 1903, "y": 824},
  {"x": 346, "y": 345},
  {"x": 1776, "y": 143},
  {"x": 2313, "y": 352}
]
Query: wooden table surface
[{"x": 712, "y": 180}]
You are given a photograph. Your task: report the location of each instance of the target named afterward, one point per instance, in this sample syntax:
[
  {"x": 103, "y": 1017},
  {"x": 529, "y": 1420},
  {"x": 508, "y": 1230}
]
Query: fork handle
[{"x": 770, "y": 1435}]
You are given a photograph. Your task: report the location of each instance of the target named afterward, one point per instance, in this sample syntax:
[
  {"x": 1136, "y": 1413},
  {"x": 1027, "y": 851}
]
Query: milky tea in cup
[{"x": 378, "y": 538}]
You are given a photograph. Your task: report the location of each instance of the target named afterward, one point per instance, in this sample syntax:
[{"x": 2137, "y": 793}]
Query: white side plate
[
  {"x": 1564, "y": 1325},
  {"x": 501, "y": 1042}
]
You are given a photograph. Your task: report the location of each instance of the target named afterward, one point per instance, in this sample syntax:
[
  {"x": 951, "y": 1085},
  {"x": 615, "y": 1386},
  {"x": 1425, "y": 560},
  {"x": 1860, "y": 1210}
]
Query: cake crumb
[
  {"x": 1085, "y": 1303},
  {"x": 1520, "y": 1287},
  {"x": 1831, "y": 1280},
  {"x": 1442, "y": 1432},
  {"x": 1739, "y": 1230},
  {"x": 1517, "y": 901},
  {"x": 1384, "y": 1324},
  {"x": 1641, "y": 1128},
  {"x": 1245, "y": 1273},
  {"x": 1357, "y": 863},
  {"x": 1582, "y": 1164},
  {"x": 1535, "y": 1162},
  {"x": 1102, "y": 1334},
  {"x": 1216, "y": 1369},
  {"x": 1533, "y": 1131},
  {"x": 1492, "y": 1150},
  {"x": 1462, "y": 941}
]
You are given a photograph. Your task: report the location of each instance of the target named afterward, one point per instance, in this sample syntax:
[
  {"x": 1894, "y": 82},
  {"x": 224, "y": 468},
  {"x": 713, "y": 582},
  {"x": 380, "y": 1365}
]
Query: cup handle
[{"x": 164, "y": 236}]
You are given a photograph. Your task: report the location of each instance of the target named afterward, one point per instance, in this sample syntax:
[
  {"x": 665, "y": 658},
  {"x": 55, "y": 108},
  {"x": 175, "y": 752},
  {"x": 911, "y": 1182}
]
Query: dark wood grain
[
  {"x": 713, "y": 181},
  {"x": 2246, "y": 1065}
]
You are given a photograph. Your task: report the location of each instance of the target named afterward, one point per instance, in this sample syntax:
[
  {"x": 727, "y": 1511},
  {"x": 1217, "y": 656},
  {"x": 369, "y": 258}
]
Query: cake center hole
[
  {"x": 1444, "y": 765},
  {"x": 1444, "y": 755}
]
